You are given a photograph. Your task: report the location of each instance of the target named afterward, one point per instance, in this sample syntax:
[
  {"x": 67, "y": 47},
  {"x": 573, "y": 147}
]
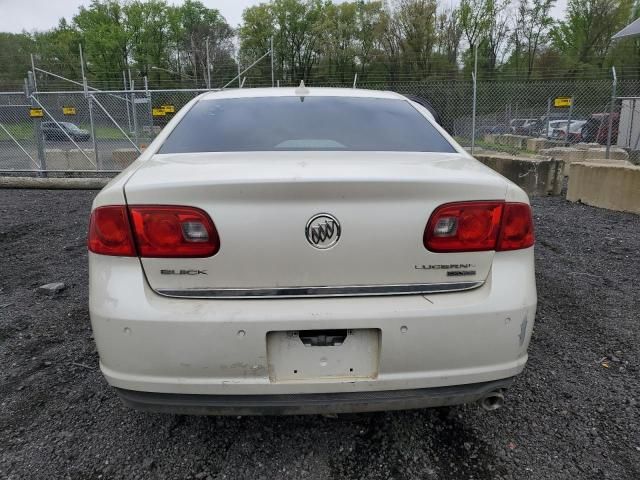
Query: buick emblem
[{"x": 323, "y": 231}]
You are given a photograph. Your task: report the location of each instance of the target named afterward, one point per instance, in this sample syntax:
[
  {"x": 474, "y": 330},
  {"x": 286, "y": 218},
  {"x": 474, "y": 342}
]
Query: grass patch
[
  {"x": 20, "y": 131},
  {"x": 26, "y": 132},
  {"x": 495, "y": 147}
]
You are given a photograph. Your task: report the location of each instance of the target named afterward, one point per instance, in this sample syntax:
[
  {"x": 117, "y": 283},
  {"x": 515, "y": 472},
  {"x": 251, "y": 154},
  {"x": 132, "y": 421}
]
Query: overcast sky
[{"x": 29, "y": 15}]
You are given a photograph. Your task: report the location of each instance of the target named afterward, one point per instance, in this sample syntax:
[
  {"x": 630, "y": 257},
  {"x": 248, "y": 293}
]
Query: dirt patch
[{"x": 573, "y": 413}]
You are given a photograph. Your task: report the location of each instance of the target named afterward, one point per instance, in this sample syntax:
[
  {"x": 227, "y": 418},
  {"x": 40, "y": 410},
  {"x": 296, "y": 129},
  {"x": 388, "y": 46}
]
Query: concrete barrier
[
  {"x": 56, "y": 159},
  {"x": 536, "y": 176},
  {"x": 585, "y": 152},
  {"x": 54, "y": 183},
  {"x": 615, "y": 187},
  {"x": 601, "y": 152},
  {"x": 59, "y": 159},
  {"x": 537, "y": 144},
  {"x": 518, "y": 141},
  {"x": 78, "y": 161},
  {"x": 490, "y": 138},
  {"x": 123, "y": 157}
]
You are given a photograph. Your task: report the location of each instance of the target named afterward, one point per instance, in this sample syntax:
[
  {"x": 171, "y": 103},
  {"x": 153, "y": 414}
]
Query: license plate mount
[{"x": 323, "y": 355}]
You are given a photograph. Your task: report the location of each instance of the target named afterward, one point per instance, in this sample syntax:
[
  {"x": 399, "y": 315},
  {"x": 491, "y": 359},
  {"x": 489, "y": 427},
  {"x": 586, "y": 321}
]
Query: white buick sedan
[{"x": 309, "y": 250}]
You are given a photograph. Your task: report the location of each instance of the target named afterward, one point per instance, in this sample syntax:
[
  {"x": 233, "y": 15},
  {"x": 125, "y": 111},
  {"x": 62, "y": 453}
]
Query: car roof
[{"x": 295, "y": 92}]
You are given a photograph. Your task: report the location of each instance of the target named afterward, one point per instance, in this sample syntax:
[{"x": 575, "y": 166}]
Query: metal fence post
[
  {"x": 208, "y": 65},
  {"x": 37, "y": 125},
  {"x": 90, "y": 105},
  {"x": 475, "y": 92},
  {"x": 33, "y": 69},
  {"x": 93, "y": 131},
  {"x": 272, "y": 71},
  {"x": 546, "y": 127},
  {"x": 134, "y": 110},
  {"x": 611, "y": 106},
  {"x": 150, "y": 103},
  {"x": 566, "y": 134},
  {"x": 124, "y": 82}
]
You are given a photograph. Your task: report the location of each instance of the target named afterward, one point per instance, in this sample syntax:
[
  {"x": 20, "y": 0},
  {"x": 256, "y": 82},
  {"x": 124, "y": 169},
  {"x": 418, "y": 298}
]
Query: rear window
[{"x": 317, "y": 123}]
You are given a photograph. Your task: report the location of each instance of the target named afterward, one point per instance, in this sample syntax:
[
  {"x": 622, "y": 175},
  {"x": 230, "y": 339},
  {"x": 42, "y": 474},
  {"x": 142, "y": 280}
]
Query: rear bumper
[
  {"x": 151, "y": 343},
  {"x": 304, "y": 404}
]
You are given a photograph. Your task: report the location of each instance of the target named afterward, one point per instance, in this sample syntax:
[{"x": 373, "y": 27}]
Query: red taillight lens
[
  {"x": 172, "y": 232},
  {"x": 109, "y": 232},
  {"x": 517, "y": 227},
  {"x": 479, "y": 226},
  {"x": 464, "y": 227}
]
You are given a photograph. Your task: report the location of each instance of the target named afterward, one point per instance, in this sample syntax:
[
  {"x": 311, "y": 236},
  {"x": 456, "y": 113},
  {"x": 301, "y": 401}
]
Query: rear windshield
[{"x": 317, "y": 123}]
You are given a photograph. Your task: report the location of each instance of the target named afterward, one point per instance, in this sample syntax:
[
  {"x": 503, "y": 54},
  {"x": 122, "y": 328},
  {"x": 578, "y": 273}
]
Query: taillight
[
  {"x": 153, "y": 231},
  {"x": 109, "y": 232},
  {"x": 516, "y": 231},
  {"x": 479, "y": 226},
  {"x": 171, "y": 231}
]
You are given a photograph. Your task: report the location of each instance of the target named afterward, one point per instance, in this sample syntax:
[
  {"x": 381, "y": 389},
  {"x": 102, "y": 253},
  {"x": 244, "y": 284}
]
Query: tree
[
  {"x": 340, "y": 48},
  {"x": 369, "y": 22},
  {"x": 58, "y": 51},
  {"x": 327, "y": 41},
  {"x": 14, "y": 57},
  {"x": 486, "y": 25},
  {"x": 497, "y": 31},
  {"x": 391, "y": 43},
  {"x": 197, "y": 23},
  {"x": 296, "y": 29},
  {"x": 416, "y": 24},
  {"x": 474, "y": 20},
  {"x": 449, "y": 34},
  {"x": 584, "y": 38},
  {"x": 146, "y": 29},
  {"x": 533, "y": 24},
  {"x": 102, "y": 27}
]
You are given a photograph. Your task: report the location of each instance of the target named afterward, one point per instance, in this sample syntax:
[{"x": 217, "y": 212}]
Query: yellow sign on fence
[
  {"x": 36, "y": 113},
  {"x": 158, "y": 112},
  {"x": 169, "y": 108},
  {"x": 69, "y": 110},
  {"x": 562, "y": 102}
]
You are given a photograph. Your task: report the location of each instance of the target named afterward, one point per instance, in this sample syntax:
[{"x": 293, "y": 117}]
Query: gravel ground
[{"x": 573, "y": 413}]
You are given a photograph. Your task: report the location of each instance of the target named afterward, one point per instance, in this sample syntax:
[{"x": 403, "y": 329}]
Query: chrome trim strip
[{"x": 305, "y": 292}]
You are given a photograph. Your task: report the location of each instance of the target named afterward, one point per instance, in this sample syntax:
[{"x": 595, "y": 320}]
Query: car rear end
[{"x": 315, "y": 277}]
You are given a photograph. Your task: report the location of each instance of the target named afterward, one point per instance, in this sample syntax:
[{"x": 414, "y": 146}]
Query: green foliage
[
  {"x": 327, "y": 42},
  {"x": 151, "y": 38},
  {"x": 14, "y": 56},
  {"x": 584, "y": 38}
]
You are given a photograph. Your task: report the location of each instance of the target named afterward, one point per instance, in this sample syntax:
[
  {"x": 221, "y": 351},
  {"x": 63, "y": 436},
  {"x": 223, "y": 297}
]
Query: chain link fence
[{"x": 104, "y": 131}]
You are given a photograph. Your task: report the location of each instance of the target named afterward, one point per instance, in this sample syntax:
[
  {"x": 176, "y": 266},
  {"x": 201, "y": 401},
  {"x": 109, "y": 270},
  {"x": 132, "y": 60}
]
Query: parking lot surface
[{"x": 573, "y": 413}]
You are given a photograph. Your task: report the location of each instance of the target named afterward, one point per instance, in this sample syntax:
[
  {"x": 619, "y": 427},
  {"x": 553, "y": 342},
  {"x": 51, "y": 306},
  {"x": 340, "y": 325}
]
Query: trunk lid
[{"x": 262, "y": 203}]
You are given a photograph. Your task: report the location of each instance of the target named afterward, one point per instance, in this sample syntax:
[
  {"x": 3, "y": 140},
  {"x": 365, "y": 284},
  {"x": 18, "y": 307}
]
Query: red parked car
[{"x": 597, "y": 126}]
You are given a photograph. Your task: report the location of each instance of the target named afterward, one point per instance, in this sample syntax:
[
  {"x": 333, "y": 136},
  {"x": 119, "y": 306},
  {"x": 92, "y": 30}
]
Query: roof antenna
[{"x": 301, "y": 91}]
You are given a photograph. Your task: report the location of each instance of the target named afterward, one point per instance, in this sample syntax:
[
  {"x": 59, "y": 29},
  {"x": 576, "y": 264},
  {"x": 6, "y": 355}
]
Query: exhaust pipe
[{"x": 492, "y": 401}]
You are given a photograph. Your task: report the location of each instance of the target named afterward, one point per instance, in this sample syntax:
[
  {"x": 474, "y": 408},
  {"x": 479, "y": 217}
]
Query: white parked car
[
  {"x": 309, "y": 250},
  {"x": 553, "y": 125},
  {"x": 575, "y": 131}
]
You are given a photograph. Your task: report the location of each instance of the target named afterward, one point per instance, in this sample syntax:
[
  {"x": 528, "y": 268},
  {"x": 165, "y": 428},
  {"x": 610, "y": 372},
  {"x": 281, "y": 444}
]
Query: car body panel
[
  {"x": 260, "y": 204},
  {"x": 152, "y": 343}
]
